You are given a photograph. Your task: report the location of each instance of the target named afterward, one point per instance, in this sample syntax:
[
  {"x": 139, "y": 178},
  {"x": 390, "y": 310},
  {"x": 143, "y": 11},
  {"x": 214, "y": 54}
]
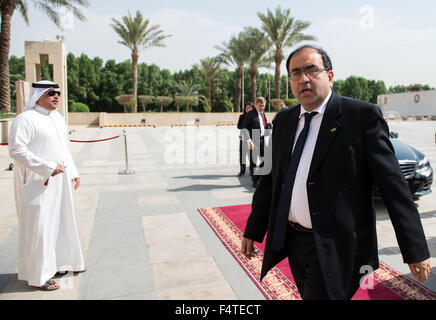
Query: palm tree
[
  {"x": 235, "y": 53},
  {"x": 257, "y": 46},
  {"x": 284, "y": 31},
  {"x": 187, "y": 90},
  {"x": 137, "y": 35},
  {"x": 7, "y": 8},
  {"x": 209, "y": 69}
]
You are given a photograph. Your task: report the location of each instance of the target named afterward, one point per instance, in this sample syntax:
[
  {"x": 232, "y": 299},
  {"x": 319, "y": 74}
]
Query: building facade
[{"x": 408, "y": 104}]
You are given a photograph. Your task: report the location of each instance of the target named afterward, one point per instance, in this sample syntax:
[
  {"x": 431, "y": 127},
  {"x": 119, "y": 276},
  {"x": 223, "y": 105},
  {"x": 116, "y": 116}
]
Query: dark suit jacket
[
  {"x": 250, "y": 123},
  {"x": 241, "y": 120},
  {"x": 352, "y": 153}
]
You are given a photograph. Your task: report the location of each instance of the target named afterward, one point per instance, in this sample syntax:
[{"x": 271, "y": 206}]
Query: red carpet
[{"x": 227, "y": 223}]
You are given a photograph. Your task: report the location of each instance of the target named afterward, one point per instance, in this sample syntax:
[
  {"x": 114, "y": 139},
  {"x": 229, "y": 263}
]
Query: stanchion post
[{"x": 127, "y": 171}]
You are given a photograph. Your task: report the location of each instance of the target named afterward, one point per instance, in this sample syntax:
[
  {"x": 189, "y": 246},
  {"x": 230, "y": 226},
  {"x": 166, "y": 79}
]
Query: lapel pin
[{"x": 333, "y": 130}]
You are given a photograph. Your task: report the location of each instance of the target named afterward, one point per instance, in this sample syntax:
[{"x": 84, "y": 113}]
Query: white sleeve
[
  {"x": 71, "y": 166},
  {"x": 21, "y": 134}
]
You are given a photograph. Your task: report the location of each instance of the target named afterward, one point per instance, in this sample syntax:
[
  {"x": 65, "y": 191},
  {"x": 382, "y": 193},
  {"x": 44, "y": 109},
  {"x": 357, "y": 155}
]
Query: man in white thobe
[{"x": 44, "y": 174}]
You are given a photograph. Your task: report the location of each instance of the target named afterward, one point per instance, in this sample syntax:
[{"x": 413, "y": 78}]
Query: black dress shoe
[{"x": 240, "y": 174}]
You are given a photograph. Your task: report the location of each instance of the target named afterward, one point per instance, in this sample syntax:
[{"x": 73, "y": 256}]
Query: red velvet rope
[{"x": 78, "y": 141}]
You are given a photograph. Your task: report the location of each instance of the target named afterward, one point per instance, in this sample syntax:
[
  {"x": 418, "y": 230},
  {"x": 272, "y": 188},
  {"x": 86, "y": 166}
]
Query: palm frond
[
  {"x": 77, "y": 13},
  {"x": 50, "y": 9},
  {"x": 136, "y": 33},
  {"x": 22, "y": 6},
  {"x": 49, "y": 12},
  {"x": 234, "y": 52},
  {"x": 282, "y": 29}
]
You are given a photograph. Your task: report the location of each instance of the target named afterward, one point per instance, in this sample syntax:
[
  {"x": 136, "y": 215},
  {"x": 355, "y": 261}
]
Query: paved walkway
[{"x": 142, "y": 235}]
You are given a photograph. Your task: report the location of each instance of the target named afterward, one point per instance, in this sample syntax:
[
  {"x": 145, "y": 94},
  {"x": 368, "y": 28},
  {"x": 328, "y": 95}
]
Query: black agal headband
[{"x": 45, "y": 85}]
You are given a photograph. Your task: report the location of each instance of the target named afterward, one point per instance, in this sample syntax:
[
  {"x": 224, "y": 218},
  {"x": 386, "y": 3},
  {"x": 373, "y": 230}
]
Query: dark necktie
[
  {"x": 264, "y": 120},
  {"x": 286, "y": 194}
]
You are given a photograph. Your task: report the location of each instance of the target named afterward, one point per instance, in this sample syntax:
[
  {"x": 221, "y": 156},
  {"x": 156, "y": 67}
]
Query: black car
[{"x": 415, "y": 166}]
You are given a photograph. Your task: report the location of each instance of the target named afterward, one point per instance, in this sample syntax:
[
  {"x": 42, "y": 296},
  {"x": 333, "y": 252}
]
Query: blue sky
[{"x": 382, "y": 40}]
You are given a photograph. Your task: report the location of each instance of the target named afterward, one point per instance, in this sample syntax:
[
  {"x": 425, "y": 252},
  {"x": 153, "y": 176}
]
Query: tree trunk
[
  {"x": 7, "y": 10},
  {"x": 135, "y": 58},
  {"x": 253, "y": 76},
  {"x": 239, "y": 73},
  {"x": 278, "y": 58},
  {"x": 209, "y": 92}
]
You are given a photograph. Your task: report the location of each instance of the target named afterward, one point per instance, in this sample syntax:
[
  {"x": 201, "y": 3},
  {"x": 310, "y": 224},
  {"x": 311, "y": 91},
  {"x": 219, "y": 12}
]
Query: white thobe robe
[{"x": 48, "y": 240}]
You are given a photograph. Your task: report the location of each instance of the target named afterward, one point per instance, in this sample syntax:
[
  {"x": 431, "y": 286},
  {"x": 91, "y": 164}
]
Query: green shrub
[
  {"x": 6, "y": 115},
  {"x": 79, "y": 107},
  {"x": 291, "y": 102},
  {"x": 275, "y": 103}
]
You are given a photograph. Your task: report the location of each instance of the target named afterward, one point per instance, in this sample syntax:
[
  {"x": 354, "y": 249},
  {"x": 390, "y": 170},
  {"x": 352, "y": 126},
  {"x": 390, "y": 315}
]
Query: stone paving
[{"x": 141, "y": 234}]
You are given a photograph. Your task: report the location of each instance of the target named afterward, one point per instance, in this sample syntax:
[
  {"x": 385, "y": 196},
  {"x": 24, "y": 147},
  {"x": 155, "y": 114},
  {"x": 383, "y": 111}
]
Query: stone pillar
[
  {"x": 4, "y": 127},
  {"x": 57, "y": 56},
  {"x": 23, "y": 89},
  {"x": 102, "y": 119}
]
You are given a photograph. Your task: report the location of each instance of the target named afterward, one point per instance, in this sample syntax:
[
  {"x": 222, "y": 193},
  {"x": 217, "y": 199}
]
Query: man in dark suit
[
  {"x": 242, "y": 144},
  {"x": 256, "y": 128},
  {"x": 282, "y": 106},
  {"x": 316, "y": 204}
]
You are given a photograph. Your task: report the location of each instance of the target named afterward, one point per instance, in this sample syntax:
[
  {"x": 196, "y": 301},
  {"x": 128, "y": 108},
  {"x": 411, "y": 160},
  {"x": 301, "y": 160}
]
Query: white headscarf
[{"x": 38, "y": 93}]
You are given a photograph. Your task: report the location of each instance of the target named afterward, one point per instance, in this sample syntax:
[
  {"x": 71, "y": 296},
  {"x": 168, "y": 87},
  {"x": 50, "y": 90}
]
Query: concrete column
[
  {"x": 4, "y": 126},
  {"x": 57, "y": 56},
  {"x": 23, "y": 93},
  {"x": 102, "y": 119}
]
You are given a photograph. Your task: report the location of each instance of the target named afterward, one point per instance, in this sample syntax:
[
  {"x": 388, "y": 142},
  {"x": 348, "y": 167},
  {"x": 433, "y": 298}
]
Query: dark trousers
[
  {"x": 242, "y": 157},
  {"x": 259, "y": 151},
  {"x": 305, "y": 267}
]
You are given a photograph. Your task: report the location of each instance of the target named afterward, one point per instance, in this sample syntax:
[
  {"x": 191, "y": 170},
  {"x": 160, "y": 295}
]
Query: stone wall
[
  {"x": 83, "y": 118},
  {"x": 409, "y": 104},
  {"x": 157, "y": 119}
]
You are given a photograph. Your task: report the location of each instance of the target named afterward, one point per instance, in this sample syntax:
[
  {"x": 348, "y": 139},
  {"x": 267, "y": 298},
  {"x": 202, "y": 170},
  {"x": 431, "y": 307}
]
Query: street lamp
[
  {"x": 243, "y": 89},
  {"x": 269, "y": 92}
]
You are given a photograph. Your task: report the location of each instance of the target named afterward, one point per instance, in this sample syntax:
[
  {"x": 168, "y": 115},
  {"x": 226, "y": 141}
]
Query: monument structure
[{"x": 34, "y": 59}]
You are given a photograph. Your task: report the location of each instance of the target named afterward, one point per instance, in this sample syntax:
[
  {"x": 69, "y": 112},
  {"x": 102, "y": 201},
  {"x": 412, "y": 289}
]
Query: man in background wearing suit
[
  {"x": 256, "y": 127},
  {"x": 282, "y": 106},
  {"x": 316, "y": 204}
]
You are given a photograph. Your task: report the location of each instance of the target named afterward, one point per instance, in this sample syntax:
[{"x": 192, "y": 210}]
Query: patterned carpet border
[{"x": 276, "y": 286}]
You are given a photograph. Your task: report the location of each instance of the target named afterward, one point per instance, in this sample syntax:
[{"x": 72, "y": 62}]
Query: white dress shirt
[
  {"x": 262, "y": 126},
  {"x": 299, "y": 208}
]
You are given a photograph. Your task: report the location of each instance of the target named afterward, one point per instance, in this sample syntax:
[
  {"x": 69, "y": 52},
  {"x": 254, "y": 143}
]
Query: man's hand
[
  {"x": 76, "y": 182},
  {"x": 59, "y": 169},
  {"x": 247, "y": 248},
  {"x": 250, "y": 145},
  {"x": 420, "y": 270}
]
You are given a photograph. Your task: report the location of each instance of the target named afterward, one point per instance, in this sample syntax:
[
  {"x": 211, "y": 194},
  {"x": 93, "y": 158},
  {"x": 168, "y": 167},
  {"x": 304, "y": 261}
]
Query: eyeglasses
[
  {"x": 310, "y": 72},
  {"x": 52, "y": 93}
]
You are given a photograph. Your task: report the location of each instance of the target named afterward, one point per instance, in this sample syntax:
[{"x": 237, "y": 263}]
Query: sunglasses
[{"x": 52, "y": 93}]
